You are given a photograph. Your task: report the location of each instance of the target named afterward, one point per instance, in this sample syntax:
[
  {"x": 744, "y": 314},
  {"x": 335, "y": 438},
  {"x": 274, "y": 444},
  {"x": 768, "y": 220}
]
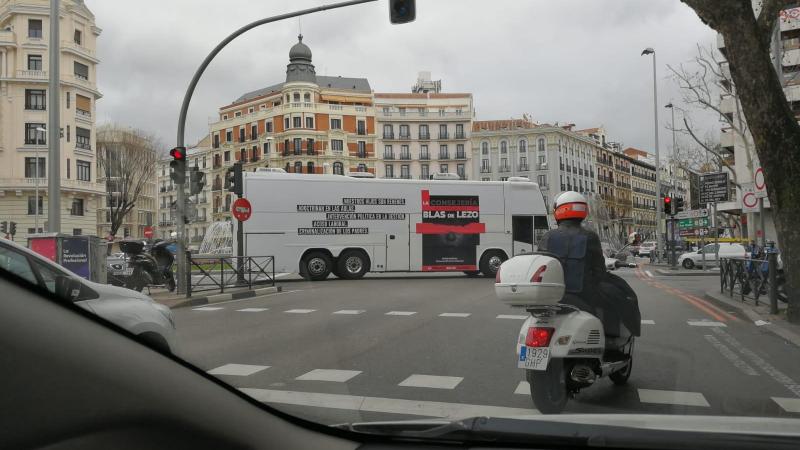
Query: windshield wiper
[{"x": 510, "y": 431}]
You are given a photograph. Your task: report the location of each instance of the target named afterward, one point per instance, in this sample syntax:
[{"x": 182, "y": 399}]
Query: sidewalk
[
  {"x": 774, "y": 323},
  {"x": 174, "y": 300},
  {"x": 714, "y": 272}
]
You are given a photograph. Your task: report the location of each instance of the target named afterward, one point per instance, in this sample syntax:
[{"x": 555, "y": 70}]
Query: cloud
[{"x": 569, "y": 61}]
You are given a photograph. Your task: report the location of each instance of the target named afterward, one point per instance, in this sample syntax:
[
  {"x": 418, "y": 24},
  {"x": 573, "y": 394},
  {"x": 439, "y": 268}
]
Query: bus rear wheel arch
[
  {"x": 352, "y": 264},
  {"x": 316, "y": 265},
  {"x": 490, "y": 262}
]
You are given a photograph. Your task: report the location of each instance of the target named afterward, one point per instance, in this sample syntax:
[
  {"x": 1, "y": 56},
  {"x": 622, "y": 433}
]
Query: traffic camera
[
  {"x": 178, "y": 165},
  {"x": 668, "y": 205},
  {"x": 402, "y": 11},
  {"x": 233, "y": 179},
  {"x": 197, "y": 180}
]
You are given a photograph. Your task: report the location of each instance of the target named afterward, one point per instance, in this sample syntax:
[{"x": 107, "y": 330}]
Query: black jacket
[{"x": 580, "y": 251}]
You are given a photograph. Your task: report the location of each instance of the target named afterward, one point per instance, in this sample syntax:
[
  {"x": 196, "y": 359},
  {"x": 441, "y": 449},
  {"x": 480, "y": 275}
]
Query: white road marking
[
  {"x": 385, "y": 405},
  {"x": 350, "y": 311},
  {"x": 252, "y": 309},
  {"x": 731, "y": 356},
  {"x": 278, "y": 275},
  {"x": 672, "y": 397},
  {"x": 257, "y": 297},
  {"x": 431, "y": 381},
  {"x": 207, "y": 308},
  {"x": 648, "y": 322},
  {"x": 401, "y": 313},
  {"x": 523, "y": 388},
  {"x": 339, "y": 376},
  {"x": 454, "y": 315},
  {"x": 300, "y": 311},
  {"x": 511, "y": 316},
  {"x": 705, "y": 323},
  {"x": 761, "y": 323},
  {"x": 649, "y": 274},
  {"x": 791, "y": 405},
  {"x": 241, "y": 370}
]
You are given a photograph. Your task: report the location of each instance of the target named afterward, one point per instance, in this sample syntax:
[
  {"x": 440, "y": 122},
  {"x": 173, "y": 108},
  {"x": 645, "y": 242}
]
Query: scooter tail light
[
  {"x": 537, "y": 276},
  {"x": 539, "y": 336},
  {"x": 497, "y": 276}
]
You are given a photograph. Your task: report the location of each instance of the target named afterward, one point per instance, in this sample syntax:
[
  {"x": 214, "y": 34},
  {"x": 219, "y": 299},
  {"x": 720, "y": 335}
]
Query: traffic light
[
  {"x": 4, "y": 227},
  {"x": 668, "y": 205},
  {"x": 233, "y": 179},
  {"x": 402, "y": 11},
  {"x": 178, "y": 165},
  {"x": 197, "y": 180},
  {"x": 12, "y": 228},
  {"x": 678, "y": 204}
]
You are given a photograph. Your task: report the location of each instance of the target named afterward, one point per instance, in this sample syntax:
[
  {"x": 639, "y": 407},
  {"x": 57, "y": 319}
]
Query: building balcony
[
  {"x": 424, "y": 136},
  {"x": 7, "y": 38},
  {"x": 388, "y": 136},
  {"x": 405, "y": 176},
  {"x": 727, "y": 104},
  {"x": 405, "y": 156},
  {"x": 405, "y": 136},
  {"x": 461, "y": 155},
  {"x": 459, "y": 135},
  {"x": 424, "y": 156},
  {"x": 523, "y": 167},
  {"x": 443, "y": 135},
  {"x": 444, "y": 155},
  {"x": 32, "y": 75},
  {"x": 727, "y": 138},
  {"x": 82, "y": 114},
  {"x": 505, "y": 169},
  {"x": 486, "y": 169},
  {"x": 166, "y": 223},
  {"x": 388, "y": 156},
  {"x": 79, "y": 49},
  {"x": 621, "y": 168}
]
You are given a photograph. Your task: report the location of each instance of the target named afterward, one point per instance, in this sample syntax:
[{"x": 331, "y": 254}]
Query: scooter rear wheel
[
  {"x": 620, "y": 377},
  {"x": 549, "y": 388}
]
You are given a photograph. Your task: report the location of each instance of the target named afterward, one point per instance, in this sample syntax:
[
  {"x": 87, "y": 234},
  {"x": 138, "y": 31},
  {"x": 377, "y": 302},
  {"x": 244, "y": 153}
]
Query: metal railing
[
  {"x": 214, "y": 272},
  {"x": 754, "y": 279}
]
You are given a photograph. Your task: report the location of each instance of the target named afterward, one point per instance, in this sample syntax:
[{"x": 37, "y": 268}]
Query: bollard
[{"x": 772, "y": 263}]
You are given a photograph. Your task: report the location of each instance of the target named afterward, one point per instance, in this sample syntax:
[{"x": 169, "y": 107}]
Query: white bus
[{"x": 316, "y": 225}]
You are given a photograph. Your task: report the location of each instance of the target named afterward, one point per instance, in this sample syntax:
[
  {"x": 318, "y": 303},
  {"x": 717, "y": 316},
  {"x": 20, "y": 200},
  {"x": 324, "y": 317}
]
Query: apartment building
[
  {"x": 555, "y": 157},
  {"x": 24, "y": 71},
  {"x": 424, "y": 131},
  {"x": 306, "y": 124}
]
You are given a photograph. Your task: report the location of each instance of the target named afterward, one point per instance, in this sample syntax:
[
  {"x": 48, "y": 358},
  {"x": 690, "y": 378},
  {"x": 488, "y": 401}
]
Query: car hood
[{"x": 111, "y": 292}]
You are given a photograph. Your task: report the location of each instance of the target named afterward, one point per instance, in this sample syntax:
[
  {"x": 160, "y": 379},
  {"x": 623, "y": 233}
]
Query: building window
[
  {"x": 227, "y": 156},
  {"x": 460, "y": 151},
  {"x": 541, "y": 145},
  {"x": 228, "y": 136},
  {"x": 423, "y": 152},
  {"x": 389, "y": 171},
  {"x": 204, "y": 162},
  {"x": 504, "y": 147},
  {"x": 296, "y": 96},
  {"x": 215, "y": 143},
  {"x": 404, "y": 133},
  {"x": 68, "y": 168},
  {"x": 68, "y": 99},
  {"x": 254, "y": 131},
  {"x": 286, "y": 123},
  {"x": 237, "y": 114},
  {"x": 310, "y": 167},
  {"x": 443, "y": 152},
  {"x": 34, "y": 62},
  {"x": 241, "y": 134},
  {"x": 307, "y": 97},
  {"x": 78, "y": 37},
  {"x": 388, "y": 152},
  {"x": 542, "y": 179},
  {"x": 266, "y": 148},
  {"x": 523, "y": 163},
  {"x": 485, "y": 165},
  {"x": 310, "y": 122},
  {"x": 443, "y": 168},
  {"x": 442, "y": 131},
  {"x": 484, "y": 148},
  {"x": 362, "y": 149},
  {"x": 460, "y": 130},
  {"x": 31, "y": 168},
  {"x": 336, "y": 124},
  {"x": 460, "y": 171},
  {"x": 77, "y": 207},
  {"x": 362, "y": 167},
  {"x": 423, "y": 132},
  {"x": 34, "y": 28},
  {"x": 297, "y": 122},
  {"x": 310, "y": 146},
  {"x": 81, "y": 71},
  {"x": 83, "y": 138},
  {"x": 298, "y": 167},
  {"x": 338, "y": 168},
  {"x": 424, "y": 171},
  {"x": 34, "y": 136},
  {"x": 84, "y": 170},
  {"x": 32, "y": 205},
  {"x": 388, "y": 132},
  {"x": 35, "y": 99},
  {"x": 297, "y": 145},
  {"x": 337, "y": 145},
  {"x": 405, "y": 171},
  {"x": 268, "y": 125}
]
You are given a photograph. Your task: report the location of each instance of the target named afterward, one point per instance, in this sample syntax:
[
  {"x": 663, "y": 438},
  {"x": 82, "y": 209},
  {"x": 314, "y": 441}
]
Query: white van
[
  {"x": 321, "y": 224},
  {"x": 726, "y": 250}
]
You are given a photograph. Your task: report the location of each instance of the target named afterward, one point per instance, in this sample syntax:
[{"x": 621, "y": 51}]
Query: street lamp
[
  {"x": 39, "y": 132},
  {"x": 650, "y": 51},
  {"x": 672, "y": 170}
]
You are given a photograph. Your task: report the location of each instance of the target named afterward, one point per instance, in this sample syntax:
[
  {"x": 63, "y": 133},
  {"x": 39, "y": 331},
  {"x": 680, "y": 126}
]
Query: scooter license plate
[{"x": 533, "y": 358}]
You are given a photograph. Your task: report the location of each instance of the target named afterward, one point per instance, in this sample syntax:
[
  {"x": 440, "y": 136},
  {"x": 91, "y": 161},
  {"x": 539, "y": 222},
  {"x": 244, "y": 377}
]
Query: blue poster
[{"x": 75, "y": 255}]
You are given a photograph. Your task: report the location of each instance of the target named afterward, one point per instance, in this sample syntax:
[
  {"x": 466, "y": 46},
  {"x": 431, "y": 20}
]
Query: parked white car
[
  {"x": 726, "y": 250},
  {"x": 152, "y": 322},
  {"x": 646, "y": 248}
]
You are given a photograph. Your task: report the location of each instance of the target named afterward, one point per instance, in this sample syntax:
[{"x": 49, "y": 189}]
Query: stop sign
[
  {"x": 148, "y": 232},
  {"x": 241, "y": 209}
]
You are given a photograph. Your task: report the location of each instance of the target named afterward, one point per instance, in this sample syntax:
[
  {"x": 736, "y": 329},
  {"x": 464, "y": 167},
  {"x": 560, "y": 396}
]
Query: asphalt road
[{"x": 392, "y": 347}]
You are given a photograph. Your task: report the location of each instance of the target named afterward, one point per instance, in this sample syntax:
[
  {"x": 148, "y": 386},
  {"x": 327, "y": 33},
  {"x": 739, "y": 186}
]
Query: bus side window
[{"x": 540, "y": 227}]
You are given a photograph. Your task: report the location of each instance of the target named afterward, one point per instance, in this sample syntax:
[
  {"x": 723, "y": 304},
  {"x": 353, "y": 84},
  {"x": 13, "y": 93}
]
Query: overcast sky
[{"x": 563, "y": 61}]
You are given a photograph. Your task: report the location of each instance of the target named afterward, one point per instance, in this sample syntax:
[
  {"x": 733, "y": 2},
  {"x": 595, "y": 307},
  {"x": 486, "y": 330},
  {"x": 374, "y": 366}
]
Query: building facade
[
  {"x": 424, "y": 132},
  {"x": 24, "y": 69},
  {"x": 557, "y": 158},
  {"x": 306, "y": 124},
  {"x": 623, "y": 198}
]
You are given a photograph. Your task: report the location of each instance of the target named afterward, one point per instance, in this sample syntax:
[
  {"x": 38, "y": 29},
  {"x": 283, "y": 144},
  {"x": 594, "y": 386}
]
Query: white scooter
[{"x": 561, "y": 348}]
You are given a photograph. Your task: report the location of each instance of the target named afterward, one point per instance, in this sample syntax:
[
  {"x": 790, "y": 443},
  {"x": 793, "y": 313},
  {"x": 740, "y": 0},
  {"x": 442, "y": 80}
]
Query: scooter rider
[{"x": 578, "y": 249}]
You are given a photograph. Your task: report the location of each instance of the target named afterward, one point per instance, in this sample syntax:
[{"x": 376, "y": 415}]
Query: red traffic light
[
  {"x": 178, "y": 153},
  {"x": 667, "y": 200}
]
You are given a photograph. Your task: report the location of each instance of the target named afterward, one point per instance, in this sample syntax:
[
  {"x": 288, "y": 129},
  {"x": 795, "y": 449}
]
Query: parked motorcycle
[
  {"x": 562, "y": 348},
  {"x": 153, "y": 267}
]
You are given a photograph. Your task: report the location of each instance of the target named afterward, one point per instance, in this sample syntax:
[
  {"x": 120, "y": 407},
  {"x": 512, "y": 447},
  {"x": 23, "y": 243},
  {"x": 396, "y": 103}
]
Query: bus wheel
[
  {"x": 317, "y": 266},
  {"x": 352, "y": 264},
  {"x": 490, "y": 262}
]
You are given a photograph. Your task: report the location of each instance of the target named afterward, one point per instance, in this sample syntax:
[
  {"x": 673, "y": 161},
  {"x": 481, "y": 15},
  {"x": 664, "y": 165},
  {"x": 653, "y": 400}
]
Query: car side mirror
[{"x": 68, "y": 288}]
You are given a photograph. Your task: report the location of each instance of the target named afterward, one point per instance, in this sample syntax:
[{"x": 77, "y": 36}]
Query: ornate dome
[{"x": 300, "y": 52}]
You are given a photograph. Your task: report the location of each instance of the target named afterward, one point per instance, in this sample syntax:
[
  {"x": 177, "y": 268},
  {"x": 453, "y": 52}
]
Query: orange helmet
[{"x": 570, "y": 205}]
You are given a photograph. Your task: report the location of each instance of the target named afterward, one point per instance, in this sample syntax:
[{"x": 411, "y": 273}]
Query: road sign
[
  {"x": 760, "y": 183},
  {"x": 692, "y": 214},
  {"x": 714, "y": 187},
  {"x": 241, "y": 209},
  {"x": 749, "y": 198},
  {"x": 699, "y": 222},
  {"x": 148, "y": 232}
]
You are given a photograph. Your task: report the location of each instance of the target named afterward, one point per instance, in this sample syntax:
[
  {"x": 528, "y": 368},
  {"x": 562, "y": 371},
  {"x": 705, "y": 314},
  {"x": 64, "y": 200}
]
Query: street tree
[
  {"x": 747, "y": 28},
  {"x": 127, "y": 161}
]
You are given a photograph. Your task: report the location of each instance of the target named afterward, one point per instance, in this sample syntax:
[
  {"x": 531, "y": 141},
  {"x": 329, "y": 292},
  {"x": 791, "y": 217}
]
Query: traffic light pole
[{"x": 187, "y": 98}]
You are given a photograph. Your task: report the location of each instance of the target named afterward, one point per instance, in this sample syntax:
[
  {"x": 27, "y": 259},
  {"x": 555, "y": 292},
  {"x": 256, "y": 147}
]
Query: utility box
[{"x": 83, "y": 255}]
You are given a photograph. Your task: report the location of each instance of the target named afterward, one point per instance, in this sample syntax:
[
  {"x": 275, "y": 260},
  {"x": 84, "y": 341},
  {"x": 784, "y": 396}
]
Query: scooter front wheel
[{"x": 549, "y": 387}]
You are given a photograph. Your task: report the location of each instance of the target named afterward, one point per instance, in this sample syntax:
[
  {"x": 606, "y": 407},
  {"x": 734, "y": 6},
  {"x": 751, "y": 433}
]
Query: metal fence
[
  {"x": 750, "y": 279},
  {"x": 217, "y": 273}
]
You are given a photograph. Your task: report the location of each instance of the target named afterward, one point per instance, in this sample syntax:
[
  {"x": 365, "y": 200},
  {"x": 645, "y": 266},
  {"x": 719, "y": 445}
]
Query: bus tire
[
  {"x": 490, "y": 262},
  {"x": 352, "y": 264},
  {"x": 317, "y": 266}
]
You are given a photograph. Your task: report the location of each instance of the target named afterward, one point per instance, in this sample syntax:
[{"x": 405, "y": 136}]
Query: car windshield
[{"x": 496, "y": 209}]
